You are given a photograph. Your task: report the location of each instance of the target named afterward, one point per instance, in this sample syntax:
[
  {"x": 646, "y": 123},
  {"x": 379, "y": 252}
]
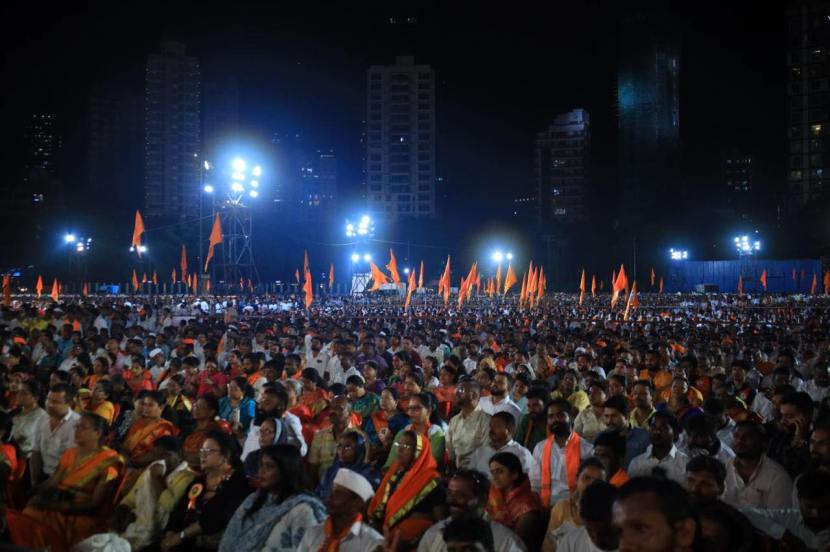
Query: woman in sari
[
  {"x": 75, "y": 499},
  {"x": 138, "y": 444},
  {"x": 276, "y": 517},
  {"x": 238, "y": 408},
  {"x": 383, "y": 425},
  {"x": 270, "y": 432},
  {"x": 100, "y": 369},
  {"x": 424, "y": 421},
  {"x": 351, "y": 454},
  {"x": 205, "y": 411},
  {"x": 314, "y": 396},
  {"x": 445, "y": 392},
  {"x": 410, "y": 498},
  {"x": 199, "y": 519},
  {"x": 512, "y": 502},
  {"x": 99, "y": 402}
]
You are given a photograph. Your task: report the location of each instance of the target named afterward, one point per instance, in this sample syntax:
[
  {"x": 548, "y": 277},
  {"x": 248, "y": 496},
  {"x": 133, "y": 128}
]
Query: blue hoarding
[{"x": 783, "y": 276}]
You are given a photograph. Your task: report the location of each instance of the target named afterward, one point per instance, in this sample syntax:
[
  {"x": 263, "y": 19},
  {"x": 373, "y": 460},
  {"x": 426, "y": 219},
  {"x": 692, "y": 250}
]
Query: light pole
[{"x": 243, "y": 186}]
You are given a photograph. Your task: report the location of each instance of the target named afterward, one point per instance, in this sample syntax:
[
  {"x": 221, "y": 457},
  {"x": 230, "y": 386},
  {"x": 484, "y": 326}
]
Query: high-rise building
[
  {"x": 171, "y": 133},
  {"x": 808, "y": 103},
  {"x": 43, "y": 146},
  {"x": 317, "y": 187},
  {"x": 737, "y": 171},
  {"x": 400, "y": 167},
  {"x": 114, "y": 148},
  {"x": 562, "y": 153},
  {"x": 648, "y": 101},
  {"x": 220, "y": 113}
]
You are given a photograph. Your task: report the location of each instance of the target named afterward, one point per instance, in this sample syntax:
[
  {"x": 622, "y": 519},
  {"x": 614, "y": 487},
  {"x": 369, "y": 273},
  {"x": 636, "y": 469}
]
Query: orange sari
[
  {"x": 413, "y": 485},
  {"x": 317, "y": 400},
  {"x": 80, "y": 481},
  {"x": 143, "y": 434}
]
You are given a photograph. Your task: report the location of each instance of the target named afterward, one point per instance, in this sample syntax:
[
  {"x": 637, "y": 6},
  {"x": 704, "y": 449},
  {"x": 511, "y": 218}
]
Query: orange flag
[
  {"x": 207, "y": 286},
  {"x": 467, "y": 284},
  {"x": 39, "y": 286},
  {"x": 195, "y": 284},
  {"x": 814, "y": 285},
  {"x": 55, "y": 290},
  {"x": 421, "y": 276},
  {"x": 155, "y": 278},
  {"x": 652, "y": 276},
  {"x": 135, "y": 281},
  {"x": 241, "y": 283},
  {"x": 392, "y": 267},
  {"x": 582, "y": 287},
  {"x": 173, "y": 276},
  {"x": 498, "y": 278},
  {"x": 410, "y": 289},
  {"x": 531, "y": 280},
  {"x": 619, "y": 285},
  {"x": 307, "y": 288},
  {"x": 378, "y": 277},
  {"x": 764, "y": 279},
  {"x": 510, "y": 279},
  {"x": 331, "y": 275},
  {"x": 826, "y": 282},
  {"x": 523, "y": 292},
  {"x": 297, "y": 275},
  {"x": 444, "y": 282},
  {"x": 661, "y": 285},
  {"x": 85, "y": 290},
  {"x": 144, "y": 278},
  {"x": 541, "y": 285},
  {"x": 215, "y": 239},
  {"x": 740, "y": 286},
  {"x": 250, "y": 285},
  {"x": 632, "y": 302},
  {"x": 138, "y": 229},
  {"x": 7, "y": 289},
  {"x": 593, "y": 285},
  {"x": 305, "y": 262},
  {"x": 183, "y": 263}
]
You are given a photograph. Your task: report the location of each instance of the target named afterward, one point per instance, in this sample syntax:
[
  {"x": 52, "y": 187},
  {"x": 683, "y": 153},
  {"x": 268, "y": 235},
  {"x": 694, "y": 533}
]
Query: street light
[
  {"x": 239, "y": 165},
  {"x": 367, "y": 257},
  {"x": 364, "y": 228},
  {"x": 747, "y": 247},
  {"x": 208, "y": 189},
  {"x": 497, "y": 256},
  {"x": 257, "y": 171},
  {"x": 69, "y": 238},
  {"x": 406, "y": 271},
  {"x": 510, "y": 256},
  {"x": 678, "y": 255},
  {"x": 253, "y": 193},
  {"x": 355, "y": 257}
]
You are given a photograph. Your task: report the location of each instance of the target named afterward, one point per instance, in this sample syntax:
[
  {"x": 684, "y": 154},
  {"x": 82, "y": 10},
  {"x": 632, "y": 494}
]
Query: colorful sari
[
  {"x": 508, "y": 507},
  {"x": 79, "y": 483},
  {"x": 106, "y": 410},
  {"x": 317, "y": 400},
  {"x": 401, "y": 490},
  {"x": 142, "y": 434}
]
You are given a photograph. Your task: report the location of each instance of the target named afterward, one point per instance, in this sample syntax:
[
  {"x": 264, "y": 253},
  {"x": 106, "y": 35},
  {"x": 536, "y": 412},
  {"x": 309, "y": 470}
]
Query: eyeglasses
[
  {"x": 206, "y": 451},
  {"x": 404, "y": 446}
]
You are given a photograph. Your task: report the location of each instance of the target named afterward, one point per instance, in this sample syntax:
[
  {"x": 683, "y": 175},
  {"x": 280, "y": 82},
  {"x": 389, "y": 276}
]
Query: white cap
[
  {"x": 355, "y": 482},
  {"x": 155, "y": 352}
]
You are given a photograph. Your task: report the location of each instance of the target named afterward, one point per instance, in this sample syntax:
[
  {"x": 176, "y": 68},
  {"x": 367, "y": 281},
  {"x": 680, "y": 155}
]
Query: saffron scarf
[
  {"x": 572, "y": 459},
  {"x": 332, "y": 542},
  {"x": 416, "y": 483}
]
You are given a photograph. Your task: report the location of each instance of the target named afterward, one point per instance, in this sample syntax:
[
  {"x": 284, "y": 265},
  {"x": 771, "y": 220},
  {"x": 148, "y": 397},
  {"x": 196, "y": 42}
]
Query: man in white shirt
[
  {"x": 662, "y": 452},
  {"x": 753, "y": 480},
  {"x": 349, "y": 495},
  {"x": 467, "y": 430},
  {"x": 467, "y": 493},
  {"x": 502, "y": 427},
  {"x": 54, "y": 433},
  {"x": 818, "y": 387},
  {"x": 499, "y": 399},
  {"x": 315, "y": 357}
]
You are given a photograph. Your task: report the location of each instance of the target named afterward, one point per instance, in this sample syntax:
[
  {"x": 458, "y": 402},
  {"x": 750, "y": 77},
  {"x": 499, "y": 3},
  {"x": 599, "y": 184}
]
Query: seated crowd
[{"x": 356, "y": 429}]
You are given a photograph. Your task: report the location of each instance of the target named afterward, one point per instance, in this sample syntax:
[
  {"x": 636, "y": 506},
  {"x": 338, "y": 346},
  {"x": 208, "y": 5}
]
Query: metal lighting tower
[{"x": 238, "y": 256}]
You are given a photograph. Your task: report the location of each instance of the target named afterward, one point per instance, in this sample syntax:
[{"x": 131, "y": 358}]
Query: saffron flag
[
  {"x": 55, "y": 290},
  {"x": 392, "y": 267},
  {"x": 740, "y": 286},
  {"x": 410, "y": 289},
  {"x": 593, "y": 285},
  {"x": 582, "y": 287},
  {"x": 523, "y": 292},
  {"x": 618, "y": 285},
  {"x": 138, "y": 229},
  {"x": 331, "y": 276},
  {"x": 444, "y": 282},
  {"x": 652, "y": 276},
  {"x": 764, "y": 279},
  {"x": 215, "y": 239},
  {"x": 155, "y": 278},
  {"x": 814, "y": 285},
  {"x": 144, "y": 278},
  {"x": 183, "y": 264},
  {"x": 241, "y": 283},
  {"x": 632, "y": 302},
  {"x": 195, "y": 284},
  {"x": 250, "y": 285},
  {"x": 531, "y": 280},
  {"x": 7, "y": 289},
  {"x": 541, "y": 285},
  {"x": 305, "y": 262},
  {"x": 307, "y": 288},
  {"x": 661, "y": 285},
  {"x": 421, "y": 276},
  {"x": 378, "y": 277},
  {"x": 135, "y": 281},
  {"x": 207, "y": 286},
  {"x": 173, "y": 276},
  {"x": 39, "y": 285},
  {"x": 510, "y": 278},
  {"x": 826, "y": 283},
  {"x": 297, "y": 275},
  {"x": 498, "y": 278},
  {"x": 85, "y": 290}
]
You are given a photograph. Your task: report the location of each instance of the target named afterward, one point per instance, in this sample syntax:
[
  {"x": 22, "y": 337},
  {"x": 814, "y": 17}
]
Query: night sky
[{"x": 502, "y": 76}]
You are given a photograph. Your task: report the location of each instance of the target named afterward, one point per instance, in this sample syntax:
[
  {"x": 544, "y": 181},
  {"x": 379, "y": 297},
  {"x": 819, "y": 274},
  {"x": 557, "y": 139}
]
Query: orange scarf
[
  {"x": 332, "y": 542},
  {"x": 619, "y": 478},
  {"x": 416, "y": 483},
  {"x": 572, "y": 459}
]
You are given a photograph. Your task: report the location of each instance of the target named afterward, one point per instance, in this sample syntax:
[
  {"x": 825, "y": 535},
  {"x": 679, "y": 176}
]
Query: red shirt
[{"x": 206, "y": 381}]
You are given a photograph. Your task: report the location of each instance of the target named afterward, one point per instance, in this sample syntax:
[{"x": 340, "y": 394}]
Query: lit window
[{"x": 815, "y": 129}]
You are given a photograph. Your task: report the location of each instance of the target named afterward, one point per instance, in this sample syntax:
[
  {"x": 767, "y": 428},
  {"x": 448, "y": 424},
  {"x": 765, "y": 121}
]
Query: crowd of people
[{"x": 695, "y": 422}]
